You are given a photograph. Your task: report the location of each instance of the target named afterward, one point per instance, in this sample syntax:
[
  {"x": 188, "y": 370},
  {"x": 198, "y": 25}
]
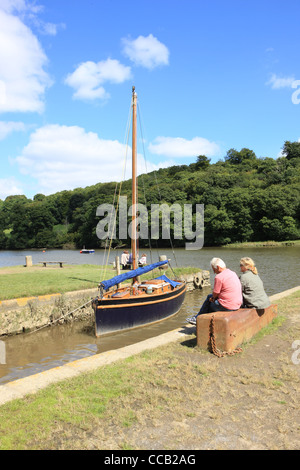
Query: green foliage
[
  {"x": 202, "y": 162},
  {"x": 291, "y": 150},
  {"x": 236, "y": 158},
  {"x": 246, "y": 199}
]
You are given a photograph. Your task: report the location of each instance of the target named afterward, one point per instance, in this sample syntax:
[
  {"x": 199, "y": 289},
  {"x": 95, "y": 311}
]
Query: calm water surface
[
  {"x": 278, "y": 267},
  {"x": 29, "y": 354}
]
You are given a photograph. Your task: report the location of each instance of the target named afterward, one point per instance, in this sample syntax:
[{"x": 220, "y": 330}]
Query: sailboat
[
  {"x": 138, "y": 303},
  {"x": 86, "y": 251}
]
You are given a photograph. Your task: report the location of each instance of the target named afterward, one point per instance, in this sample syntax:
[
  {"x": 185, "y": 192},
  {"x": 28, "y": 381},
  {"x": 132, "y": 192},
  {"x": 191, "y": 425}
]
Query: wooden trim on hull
[
  {"x": 114, "y": 315},
  {"x": 111, "y": 303}
]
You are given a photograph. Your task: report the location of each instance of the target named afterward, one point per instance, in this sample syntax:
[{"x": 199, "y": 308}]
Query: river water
[{"x": 31, "y": 353}]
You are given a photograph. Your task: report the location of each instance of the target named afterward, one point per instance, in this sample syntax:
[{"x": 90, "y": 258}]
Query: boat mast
[{"x": 134, "y": 184}]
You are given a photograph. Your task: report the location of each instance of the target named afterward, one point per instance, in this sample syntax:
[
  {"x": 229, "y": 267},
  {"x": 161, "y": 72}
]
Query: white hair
[{"x": 217, "y": 262}]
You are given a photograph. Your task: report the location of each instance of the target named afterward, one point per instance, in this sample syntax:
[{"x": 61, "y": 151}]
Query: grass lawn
[
  {"x": 172, "y": 397},
  {"x": 18, "y": 281}
]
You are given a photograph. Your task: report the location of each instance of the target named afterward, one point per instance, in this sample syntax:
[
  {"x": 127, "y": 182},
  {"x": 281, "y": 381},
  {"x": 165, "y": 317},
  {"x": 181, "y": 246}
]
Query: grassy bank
[
  {"x": 173, "y": 397},
  {"x": 18, "y": 281},
  {"x": 266, "y": 244}
]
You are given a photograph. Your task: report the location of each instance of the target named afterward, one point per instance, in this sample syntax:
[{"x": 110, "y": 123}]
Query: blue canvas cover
[
  {"x": 130, "y": 274},
  {"x": 166, "y": 279}
]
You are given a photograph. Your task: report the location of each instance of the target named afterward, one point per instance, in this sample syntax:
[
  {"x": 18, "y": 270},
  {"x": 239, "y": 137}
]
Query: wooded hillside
[{"x": 245, "y": 199}]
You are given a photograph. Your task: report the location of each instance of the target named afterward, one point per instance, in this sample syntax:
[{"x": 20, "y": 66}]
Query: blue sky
[{"x": 209, "y": 75}]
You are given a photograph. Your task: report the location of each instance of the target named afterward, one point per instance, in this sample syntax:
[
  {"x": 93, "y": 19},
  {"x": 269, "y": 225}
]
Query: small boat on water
[
  {"x": 141, "y": 302},
  {"x": 85, "y": 251}
]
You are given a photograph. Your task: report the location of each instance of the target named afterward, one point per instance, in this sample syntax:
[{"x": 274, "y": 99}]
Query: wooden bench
[
  {"x": 52, "y": 262},
  {"x": 232, "y": 328}
]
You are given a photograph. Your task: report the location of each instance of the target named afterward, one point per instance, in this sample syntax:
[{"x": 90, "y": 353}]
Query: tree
[
  {"x": 238, "y": 206},
  {"x": 59, "y": 205},
  {"x": 291, "y": 150},
  {"x": 10, "y": 208},
  {"x": 21, "y": 235},
  {"x": 217, "y": 224},
  {"x": 39, "y": 197},
  {"x": 283, "y": 229},
  {"x": 2, "y": 240},
  {"x": 76, "y": 200},
  {"x": 244, "y": 156},
  {"x": 41, "y": 217},
  {"x": 202, "y": 162}
]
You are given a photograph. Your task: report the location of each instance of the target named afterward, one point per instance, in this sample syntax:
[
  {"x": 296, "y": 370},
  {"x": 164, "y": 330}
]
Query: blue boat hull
[{"x": 112, "y": 315}]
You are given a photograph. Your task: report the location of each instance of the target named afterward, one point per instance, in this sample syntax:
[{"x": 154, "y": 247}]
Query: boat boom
[{"x": 130, "y": 274}]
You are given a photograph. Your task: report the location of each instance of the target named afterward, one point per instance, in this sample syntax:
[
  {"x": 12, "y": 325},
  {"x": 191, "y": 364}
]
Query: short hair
[{"x": 217, "y": 262}]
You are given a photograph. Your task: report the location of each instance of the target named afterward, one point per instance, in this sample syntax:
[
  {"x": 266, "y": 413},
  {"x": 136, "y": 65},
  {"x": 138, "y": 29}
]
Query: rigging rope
[
  {"x": 160, "y": 198},
  {"x": 60, "y": 318},
  {"x": 118, "y": 200},
  {"x": 103, "y": 275},
  {"x": 144, "y": 155}
]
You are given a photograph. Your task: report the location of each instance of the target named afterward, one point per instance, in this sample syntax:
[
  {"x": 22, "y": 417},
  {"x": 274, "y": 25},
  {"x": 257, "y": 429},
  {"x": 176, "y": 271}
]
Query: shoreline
[
  {"x": 35, "y": 280},
  {"x": 34, "y": 383},
  {"x": 27, "y": 314},
  {"x": 264, "y": 244},
  {"x": 72, "y": 248}
]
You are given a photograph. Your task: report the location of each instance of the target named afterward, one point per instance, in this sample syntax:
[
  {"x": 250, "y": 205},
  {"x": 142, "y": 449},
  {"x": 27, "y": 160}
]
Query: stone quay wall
[{"x": 30, "y": 313}]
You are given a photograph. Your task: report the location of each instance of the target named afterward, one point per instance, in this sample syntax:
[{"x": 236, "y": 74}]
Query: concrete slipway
[{"x": 32, "y": 384}]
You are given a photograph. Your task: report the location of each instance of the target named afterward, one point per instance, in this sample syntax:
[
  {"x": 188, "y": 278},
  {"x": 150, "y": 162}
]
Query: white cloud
[
  {"x": 50, "y": 28},
  {"x": 23, "y": 80},
  {"x": 11, "y": 5},
  {"x": 9, "y": 187},
  {"x": 29, "y": 11},
  {"x": 63, "y": 158},
  {"x": 147, "y": 51},
  {"x": 280, "y": 82},
  {"x": 89, "y": 77},
  {"x": 179, "y": 147},
  {"x": 7, "y": 128}
]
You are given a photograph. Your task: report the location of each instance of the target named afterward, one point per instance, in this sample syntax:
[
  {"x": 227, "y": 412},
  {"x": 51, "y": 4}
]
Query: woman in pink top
[{"x": 227, "y": 291}]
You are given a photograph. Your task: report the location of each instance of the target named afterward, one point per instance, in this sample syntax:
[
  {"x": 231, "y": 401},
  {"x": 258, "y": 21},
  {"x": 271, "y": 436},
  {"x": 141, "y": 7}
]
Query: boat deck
[{"x": 146, "y": 288}]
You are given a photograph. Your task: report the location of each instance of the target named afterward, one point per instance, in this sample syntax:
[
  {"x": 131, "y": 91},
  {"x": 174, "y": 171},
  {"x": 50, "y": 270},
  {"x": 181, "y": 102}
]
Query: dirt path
[{"x": 186, "y": 398}]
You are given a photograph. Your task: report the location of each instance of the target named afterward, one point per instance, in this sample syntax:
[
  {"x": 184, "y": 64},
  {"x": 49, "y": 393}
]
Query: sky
[{"x": 209, "y": 76}]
